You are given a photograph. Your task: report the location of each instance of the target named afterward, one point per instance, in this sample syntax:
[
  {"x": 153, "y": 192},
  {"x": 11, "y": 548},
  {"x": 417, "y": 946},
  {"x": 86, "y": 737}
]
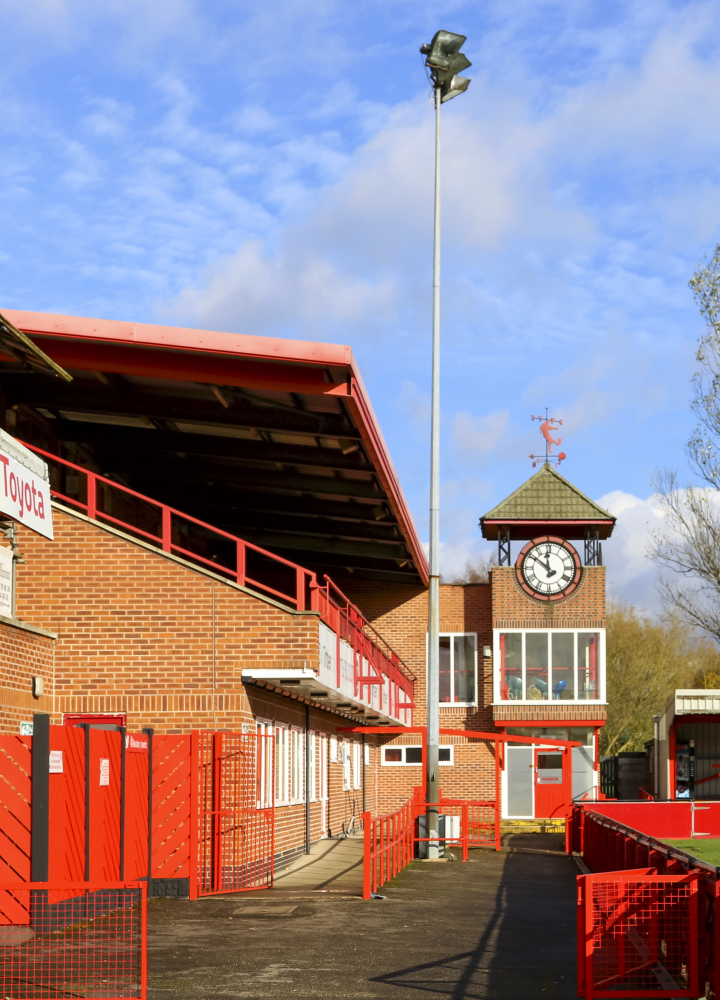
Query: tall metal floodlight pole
[{"x": 445, "y": 61}]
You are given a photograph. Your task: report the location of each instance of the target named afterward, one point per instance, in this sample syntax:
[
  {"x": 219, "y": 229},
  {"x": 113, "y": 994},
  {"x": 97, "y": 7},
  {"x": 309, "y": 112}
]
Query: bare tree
[
  {"x": 688, "y": 549},
  {"x": 475, "y": 571}
]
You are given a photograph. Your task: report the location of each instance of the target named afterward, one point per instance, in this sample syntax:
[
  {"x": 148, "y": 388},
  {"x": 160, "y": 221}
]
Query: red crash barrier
[
  {"x": 73, "y": 940},
  {"x": 655, "y": 908},
  {"x": 638, "y": 935}
]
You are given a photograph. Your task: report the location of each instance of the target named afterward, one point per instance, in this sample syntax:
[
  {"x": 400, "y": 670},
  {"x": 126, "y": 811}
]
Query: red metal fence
[
  {"x": 391, "y": 841},
  {"x": 647, "y": 903},
  {"x": 73, "y": 939},
  {"x": 236, "y": 839},
  {"x": 638, "y": 935}
]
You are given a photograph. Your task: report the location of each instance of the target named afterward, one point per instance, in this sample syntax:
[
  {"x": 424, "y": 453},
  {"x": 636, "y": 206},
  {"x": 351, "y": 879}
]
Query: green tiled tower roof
[{"x": 548, "y": 497}]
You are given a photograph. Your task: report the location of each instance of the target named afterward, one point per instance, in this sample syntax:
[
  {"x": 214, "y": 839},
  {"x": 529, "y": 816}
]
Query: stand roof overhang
[{"x": 273, "y": 440}]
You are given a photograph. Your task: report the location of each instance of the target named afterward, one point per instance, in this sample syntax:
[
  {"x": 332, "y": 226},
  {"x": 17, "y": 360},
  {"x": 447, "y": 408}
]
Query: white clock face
[{"x": 548, "y": 568}]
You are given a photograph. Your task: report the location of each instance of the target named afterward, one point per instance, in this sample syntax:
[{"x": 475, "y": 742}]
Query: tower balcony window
[{"x": 555, "y": 665}]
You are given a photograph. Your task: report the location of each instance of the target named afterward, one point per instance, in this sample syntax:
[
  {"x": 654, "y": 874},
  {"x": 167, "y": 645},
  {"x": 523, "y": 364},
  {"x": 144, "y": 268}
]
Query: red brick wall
[
  {"x": 23, "y": 655},
  {"x": 513, "y": 608},
  {"x": 135, "y": 630}
]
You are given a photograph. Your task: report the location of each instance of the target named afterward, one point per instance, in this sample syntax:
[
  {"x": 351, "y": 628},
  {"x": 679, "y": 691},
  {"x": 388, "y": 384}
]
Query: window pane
[
  {"x": 583, "y": 735},
  {"x": 563, "y": 666},
  {"x": 413, "y": 755},
  {"x": 464, "y": 668},
  {"x": 511, "y": 686},
  {"x": 588, "y": 660},
  {"x": 444, "y": 753},
  {"x": 549, "y": 761},
  {"x": 393, "y": 755},
  {"x": 536, "y": 665},
  {"x": 445, "y": 668}
]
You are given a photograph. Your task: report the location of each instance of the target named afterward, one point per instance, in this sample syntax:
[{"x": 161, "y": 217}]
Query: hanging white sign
[
  {"x": 6, "y": 581},
  {"x": 24, "y": 496},
  {"x": 56, "y": 762},
  {"x": 104, "y": 771}
]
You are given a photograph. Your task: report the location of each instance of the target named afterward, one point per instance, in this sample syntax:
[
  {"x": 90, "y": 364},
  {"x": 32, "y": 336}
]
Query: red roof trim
[{"x": 177, "y": 352}]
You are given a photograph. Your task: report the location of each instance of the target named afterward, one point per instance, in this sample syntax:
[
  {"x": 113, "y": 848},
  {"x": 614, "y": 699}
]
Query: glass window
[
  {"x": 563, "y": 666},
  {"x": 556, "y": 665},
  {"x": 588, "y": 658},
  {"x": 536, "y": 665},
  {"x": 458, "y": 657},
  {"x": 445, "y": 669},
  {"x": 464, "y": 668},
  {"x": 412, "y": 756}
]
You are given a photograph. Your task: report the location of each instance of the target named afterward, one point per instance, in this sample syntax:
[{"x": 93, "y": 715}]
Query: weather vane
[{"x": 548, "y": 427}]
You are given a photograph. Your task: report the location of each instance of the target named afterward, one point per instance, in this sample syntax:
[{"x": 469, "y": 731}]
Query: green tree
[{"x": 647, "y": 659}]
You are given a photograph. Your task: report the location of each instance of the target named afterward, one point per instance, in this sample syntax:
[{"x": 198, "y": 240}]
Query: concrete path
[
  {"x": 332, "y": 865},
  {"x": 499, "y": 927}
]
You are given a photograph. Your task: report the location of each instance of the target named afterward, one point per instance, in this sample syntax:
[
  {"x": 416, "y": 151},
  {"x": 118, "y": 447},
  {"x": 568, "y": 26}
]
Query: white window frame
[
  {"x": 458, "y": 704},
  {"x": 367, "y": 755},
  {"x": 549, "y": 631},
  {"x": 357, "y": 770},
  {"x": 346, "y": 763},
  {"x": 282, "y": 764},
  {"x": 264, "y": 727},
  {"x": 312, "y": 777},
  {"x": 297, "y": 765},
  {"x": 334, "y": 749},
  {"x": 415, "y": 746}
]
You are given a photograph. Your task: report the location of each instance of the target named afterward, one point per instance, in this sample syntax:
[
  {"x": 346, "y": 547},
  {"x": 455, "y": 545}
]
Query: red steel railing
[
  {"x": 390, "y": 839},
  {"x": 388, "y": 846},
  {"x": 647, "y": 793},
  {"x": 170, "y": 530}
]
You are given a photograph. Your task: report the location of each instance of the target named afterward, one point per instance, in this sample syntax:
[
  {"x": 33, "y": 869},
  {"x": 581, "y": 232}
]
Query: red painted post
[
  {"x": 300, "y": 588},
  {"x": 166, "y": 529},
  {"x": 143, "y": 934},
  {"x": 466, "y": 834},
  {"x": 367, "y": 855},
  {"x": 194, "y": 813},
  {"x": 91, "y": 495},
  {"x": 240, "y": 563},
  {"x": 567, "y": 796},
  {"x": 498, "y": 803}
]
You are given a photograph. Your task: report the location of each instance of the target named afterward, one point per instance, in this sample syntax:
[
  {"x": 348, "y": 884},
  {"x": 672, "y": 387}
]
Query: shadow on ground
[{"x": 499, "y": 926}]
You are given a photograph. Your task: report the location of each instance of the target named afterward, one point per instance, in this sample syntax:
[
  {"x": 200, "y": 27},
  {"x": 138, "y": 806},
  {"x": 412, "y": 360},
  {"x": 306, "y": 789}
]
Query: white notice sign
[
  {"x": 6, "y": 581},
  {"x": 25, "y": 496},
  {"x": 56, "y": 762},
  {"x": 104, "y": 771}
]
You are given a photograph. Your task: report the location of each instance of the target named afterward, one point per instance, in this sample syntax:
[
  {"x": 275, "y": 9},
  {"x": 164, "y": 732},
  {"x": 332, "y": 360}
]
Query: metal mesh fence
[
  {"x": 641, "y": 936},
  {"x": 72, "y": 940}
]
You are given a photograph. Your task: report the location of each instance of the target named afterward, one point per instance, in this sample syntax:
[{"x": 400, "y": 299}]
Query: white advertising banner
[
  {"x": 6, "y": 581},
  {"x": 24, "y": 496}
]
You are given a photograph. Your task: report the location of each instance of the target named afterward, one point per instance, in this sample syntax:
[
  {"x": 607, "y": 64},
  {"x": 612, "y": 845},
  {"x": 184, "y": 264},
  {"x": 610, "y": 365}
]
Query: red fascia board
[
  {"x": 226, "y": 359},
  {"x": 189, "y": 366},
  {"x": 179, "y": 338}
]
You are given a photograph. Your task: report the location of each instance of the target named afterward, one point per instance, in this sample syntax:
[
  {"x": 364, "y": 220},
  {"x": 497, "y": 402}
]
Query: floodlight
[{"x": 445, "y": 61}]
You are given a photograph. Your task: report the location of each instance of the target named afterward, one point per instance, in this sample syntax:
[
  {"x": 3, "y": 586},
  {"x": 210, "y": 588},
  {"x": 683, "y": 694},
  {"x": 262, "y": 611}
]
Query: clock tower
[{"x": 548, "y": 620}]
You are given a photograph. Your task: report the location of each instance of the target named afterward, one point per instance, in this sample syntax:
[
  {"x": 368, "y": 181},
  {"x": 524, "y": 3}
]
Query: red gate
[
  {"x": 237, "y": 812},
  {"x": 638, "y": 935}
]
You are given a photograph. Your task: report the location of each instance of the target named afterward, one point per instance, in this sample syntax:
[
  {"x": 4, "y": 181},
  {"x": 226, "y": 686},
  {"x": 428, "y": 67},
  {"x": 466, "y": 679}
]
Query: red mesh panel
[
  {"x": 73, "y": 940},
  {"x": 236, "y": 840},
  {"x": 639, "y": 935}
]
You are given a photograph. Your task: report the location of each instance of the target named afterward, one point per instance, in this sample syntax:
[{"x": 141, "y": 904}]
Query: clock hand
[{"x": 550, "y": 572}]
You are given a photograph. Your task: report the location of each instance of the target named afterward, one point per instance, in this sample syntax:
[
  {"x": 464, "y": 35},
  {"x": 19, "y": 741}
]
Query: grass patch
[{"x": 704, "y": 848}]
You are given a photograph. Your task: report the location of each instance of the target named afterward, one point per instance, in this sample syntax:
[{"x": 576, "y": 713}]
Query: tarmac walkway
[
  {"x": 498, "y": 927},
  {"x": 331, "y": 864}
]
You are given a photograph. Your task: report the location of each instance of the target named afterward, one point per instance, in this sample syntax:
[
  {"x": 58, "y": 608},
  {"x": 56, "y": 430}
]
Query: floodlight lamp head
[{"x": 445, "y": 61}]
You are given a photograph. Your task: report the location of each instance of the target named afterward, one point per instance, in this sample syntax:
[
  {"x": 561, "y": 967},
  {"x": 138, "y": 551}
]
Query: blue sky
[{"x": 267, "y": 168}]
